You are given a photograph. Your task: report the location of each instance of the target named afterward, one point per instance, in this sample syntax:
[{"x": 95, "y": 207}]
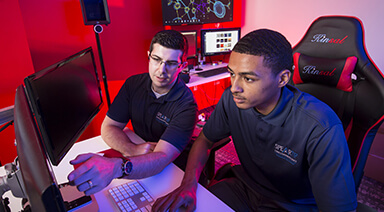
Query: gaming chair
[{"x": 331, "y": 63}]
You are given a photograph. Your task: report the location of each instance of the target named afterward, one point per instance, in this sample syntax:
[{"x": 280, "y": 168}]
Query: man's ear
[
  {"x": 284, "y": 77},
  {"x": 148, "y": 53}
]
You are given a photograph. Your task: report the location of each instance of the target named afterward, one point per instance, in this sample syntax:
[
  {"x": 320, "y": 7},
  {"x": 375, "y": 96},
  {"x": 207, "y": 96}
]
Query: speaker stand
[{"x": 97, "y": 31}]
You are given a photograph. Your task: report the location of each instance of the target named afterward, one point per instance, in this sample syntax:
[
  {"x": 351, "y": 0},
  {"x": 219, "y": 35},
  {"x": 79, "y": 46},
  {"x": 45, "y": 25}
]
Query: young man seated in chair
[
  {"x": 291, "y": 146},
  {"x": 162, "y": 111}
]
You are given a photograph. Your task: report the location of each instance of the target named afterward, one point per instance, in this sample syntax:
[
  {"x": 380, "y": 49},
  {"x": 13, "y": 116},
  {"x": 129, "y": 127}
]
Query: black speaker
[{"x": 95, "y": 12}]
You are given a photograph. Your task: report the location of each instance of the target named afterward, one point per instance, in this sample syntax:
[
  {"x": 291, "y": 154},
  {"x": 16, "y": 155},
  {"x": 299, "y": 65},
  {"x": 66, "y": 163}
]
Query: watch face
[{"x": 127, "y": 167}]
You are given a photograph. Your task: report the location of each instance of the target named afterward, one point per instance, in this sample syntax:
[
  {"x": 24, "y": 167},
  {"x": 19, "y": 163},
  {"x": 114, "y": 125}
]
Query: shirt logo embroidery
[
  {"x": 162, "y": 118},
  {"x": 286, "y": 154}
]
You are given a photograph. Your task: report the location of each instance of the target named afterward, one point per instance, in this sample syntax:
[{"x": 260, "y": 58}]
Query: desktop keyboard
[
  {"x": 131, "y": 196},
  {"x": 213, "y": 72}
]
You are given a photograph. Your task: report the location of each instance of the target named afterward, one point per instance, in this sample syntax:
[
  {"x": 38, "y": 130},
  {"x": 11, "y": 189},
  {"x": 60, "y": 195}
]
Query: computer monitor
[
  {"x": 218, "y": 41},
  {"x": 192, "y": 43},
  {"x": 180, "y": 12},
  {"x": 39, "y": 182},
  {"x": 50, "y": 113},
  {"x": 64, "y": 98}
]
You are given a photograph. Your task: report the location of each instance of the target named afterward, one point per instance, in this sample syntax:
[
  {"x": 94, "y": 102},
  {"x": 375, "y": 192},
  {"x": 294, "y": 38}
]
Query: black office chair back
[{"x": 332, "y": 64}]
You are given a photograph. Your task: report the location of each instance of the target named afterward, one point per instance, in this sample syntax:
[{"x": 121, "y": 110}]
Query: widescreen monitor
[
  {"x": 192, "y": 43},
  {"x": 179, "y": 12},
  {"x": 218, "y": 41},
  {"x": 50, "y": 113},
  {"x": 64, "y": 97}
]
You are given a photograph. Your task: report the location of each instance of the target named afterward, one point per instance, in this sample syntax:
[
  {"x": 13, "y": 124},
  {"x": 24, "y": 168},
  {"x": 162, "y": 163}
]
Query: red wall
[
  {"x": 15, "y": 64},
  {"x": 15, "y": 60},
  {"x": 52, "y": 30},
  {"x": 55, "y": 30}
]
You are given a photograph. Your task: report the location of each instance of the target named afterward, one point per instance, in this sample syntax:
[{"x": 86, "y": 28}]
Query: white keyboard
[{"x": 131, "y": 196}]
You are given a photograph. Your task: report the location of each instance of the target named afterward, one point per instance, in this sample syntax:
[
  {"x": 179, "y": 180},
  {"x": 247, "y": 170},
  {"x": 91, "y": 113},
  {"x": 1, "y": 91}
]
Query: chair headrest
[
  {"x": 333, "y": 37},
  {"x": 331, "y": 43},
  {"x": 336, "y": 72}
]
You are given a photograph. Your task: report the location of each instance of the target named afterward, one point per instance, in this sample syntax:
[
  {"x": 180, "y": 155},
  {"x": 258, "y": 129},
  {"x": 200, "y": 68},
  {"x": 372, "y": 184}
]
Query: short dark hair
[
  {"x": 171, "y": 39},
  {"x": 272, "y": 45}
]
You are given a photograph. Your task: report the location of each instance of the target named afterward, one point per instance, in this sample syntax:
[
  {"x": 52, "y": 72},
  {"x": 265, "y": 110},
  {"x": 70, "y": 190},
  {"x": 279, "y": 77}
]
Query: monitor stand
[
  {"x": 200, "y": 61},
  {"x": 207, "y": 67}
]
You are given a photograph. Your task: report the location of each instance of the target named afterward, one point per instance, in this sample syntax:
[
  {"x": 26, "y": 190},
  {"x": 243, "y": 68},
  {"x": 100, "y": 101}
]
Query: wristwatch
[{"x": 126, "y": 166}]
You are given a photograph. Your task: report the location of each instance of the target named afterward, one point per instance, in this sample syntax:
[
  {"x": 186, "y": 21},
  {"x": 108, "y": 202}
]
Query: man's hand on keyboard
[
  {"x": 184, "y": 197},
  {"x": 94, "y": 172}
]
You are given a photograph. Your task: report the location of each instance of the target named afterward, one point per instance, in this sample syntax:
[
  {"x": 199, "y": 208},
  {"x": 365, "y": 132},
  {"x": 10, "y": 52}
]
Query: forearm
[
  {"x": 153, "y": 163},
  {"x": 116, "y": 138},
  {"x": 185, "y": 194},
  {"x": 148, "y": 165},
  {"x": 197, "y": 159}
]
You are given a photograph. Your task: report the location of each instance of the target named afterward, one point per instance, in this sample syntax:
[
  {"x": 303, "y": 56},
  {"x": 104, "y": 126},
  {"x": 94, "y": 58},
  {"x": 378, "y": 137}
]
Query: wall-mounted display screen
[{"x": 179, "y": 12}]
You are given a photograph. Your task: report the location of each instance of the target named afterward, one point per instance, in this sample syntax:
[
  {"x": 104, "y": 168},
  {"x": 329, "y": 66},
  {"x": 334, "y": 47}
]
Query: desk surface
[
  {"x": 158, "y": 185},
  {"x": 196, "y": 80}
]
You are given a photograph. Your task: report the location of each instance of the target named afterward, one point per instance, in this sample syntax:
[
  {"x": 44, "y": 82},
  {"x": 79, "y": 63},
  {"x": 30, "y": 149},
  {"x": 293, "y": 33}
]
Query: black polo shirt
[
  {"x": 297, "y": 153},
  {"x": 172, "y": 117}
]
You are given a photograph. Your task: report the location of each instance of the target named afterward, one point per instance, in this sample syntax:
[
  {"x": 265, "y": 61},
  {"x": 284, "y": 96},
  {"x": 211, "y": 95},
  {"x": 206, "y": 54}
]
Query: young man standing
[{"x": 291, "y": 146}]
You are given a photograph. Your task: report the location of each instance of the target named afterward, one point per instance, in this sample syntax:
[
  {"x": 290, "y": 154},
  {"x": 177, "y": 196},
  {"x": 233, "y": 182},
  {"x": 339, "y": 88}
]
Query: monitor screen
[
  {"x": 218, "y": 41},
  {"x": 64, "y": 98},
  {"x": 192, "y": 43},
  {"x": 95, "y": 12},
  {"x": 179, "y": 12},
  {"x": 50, "y": 113}
]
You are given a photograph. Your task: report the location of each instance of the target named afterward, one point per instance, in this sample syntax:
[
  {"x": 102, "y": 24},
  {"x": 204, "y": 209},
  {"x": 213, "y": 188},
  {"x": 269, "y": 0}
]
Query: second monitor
[
  {"x": 218, "y": 41},
  {"x": 192, "y": 43}
]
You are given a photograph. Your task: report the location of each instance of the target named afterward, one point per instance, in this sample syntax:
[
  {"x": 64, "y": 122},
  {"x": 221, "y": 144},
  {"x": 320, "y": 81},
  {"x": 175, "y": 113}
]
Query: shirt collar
[
  {"x": 280, "y": 113},
  {"x": 175, "y": 93}
]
